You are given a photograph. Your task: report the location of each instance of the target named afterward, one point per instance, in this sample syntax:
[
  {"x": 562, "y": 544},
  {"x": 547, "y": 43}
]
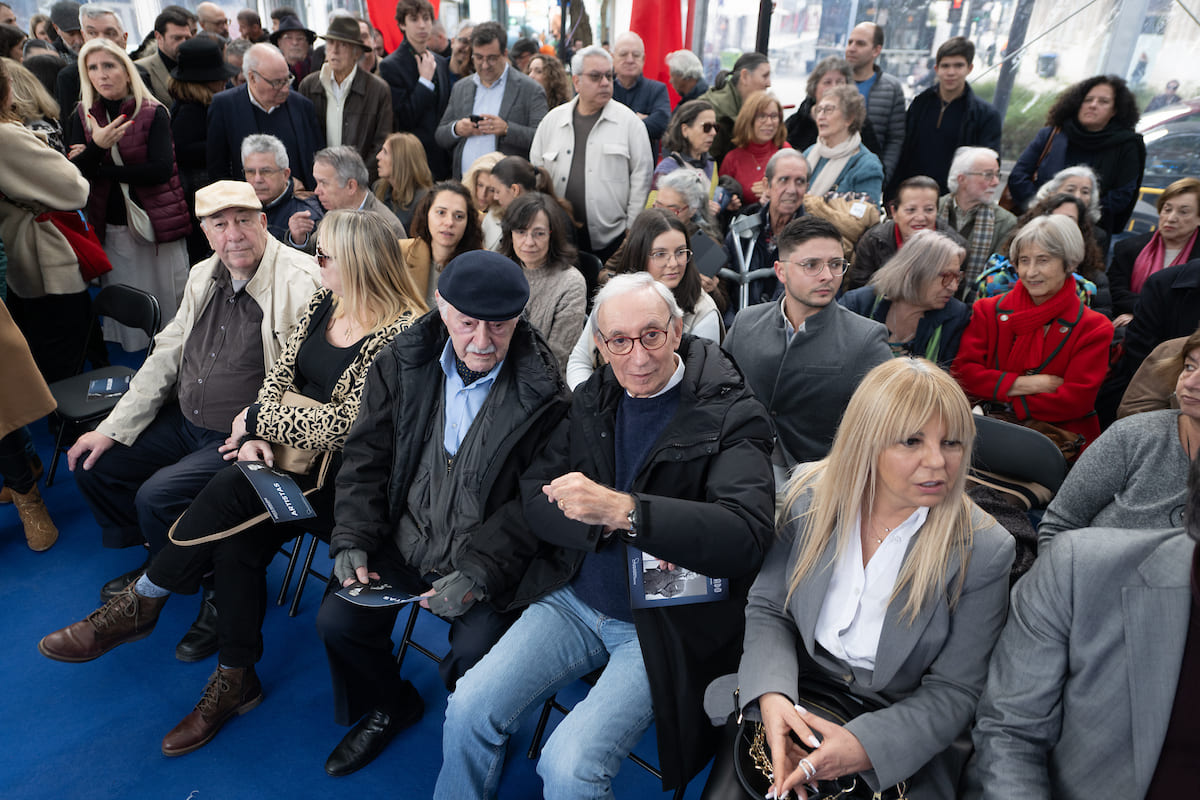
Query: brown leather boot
[
  {"x": 230, "y": 690},
  {"x": 40, "y": 532},
  {"x": 35, "y": 464},
  {"x": 126, "y": 618}
]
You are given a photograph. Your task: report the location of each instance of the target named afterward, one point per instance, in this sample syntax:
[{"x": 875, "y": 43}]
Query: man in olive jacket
[
  {"x": 452, "y": 411},
  {"x": 672, "y": 428}
]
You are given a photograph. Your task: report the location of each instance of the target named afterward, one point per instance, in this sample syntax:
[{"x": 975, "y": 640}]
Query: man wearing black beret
[{"x": 452, "y": 413}]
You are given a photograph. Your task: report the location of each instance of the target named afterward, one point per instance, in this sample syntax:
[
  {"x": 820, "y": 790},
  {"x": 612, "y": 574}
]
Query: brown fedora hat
[{"x": 345, "y": 29}]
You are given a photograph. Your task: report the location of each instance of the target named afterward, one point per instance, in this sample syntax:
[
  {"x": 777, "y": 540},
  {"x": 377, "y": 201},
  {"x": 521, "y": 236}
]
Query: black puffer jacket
[
  {"x": 705, "y": 501},
  {"x": 384, "y": 447}
]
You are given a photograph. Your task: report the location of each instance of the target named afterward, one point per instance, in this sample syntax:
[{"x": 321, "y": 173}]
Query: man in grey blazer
[
  {"x": 804, "y": 355},
  {"x": 170, "y": 30},
  {"x": 497, "y": 108},
  {"x": 1094, "y": 685}
]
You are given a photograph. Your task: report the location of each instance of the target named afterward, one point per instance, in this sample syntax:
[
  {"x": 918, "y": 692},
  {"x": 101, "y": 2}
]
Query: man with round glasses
[
  {"x": 805, "y": 355},
  {"x": 266, "y": 104},
  {"x": 496, "y": 109},
  {"x": 664, "y": 452}
]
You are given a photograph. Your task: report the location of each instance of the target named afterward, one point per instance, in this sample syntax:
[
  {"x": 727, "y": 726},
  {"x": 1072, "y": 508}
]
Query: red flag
[
  {"x": 659, "y": 24},
  {"x": 383, "y": 16}
]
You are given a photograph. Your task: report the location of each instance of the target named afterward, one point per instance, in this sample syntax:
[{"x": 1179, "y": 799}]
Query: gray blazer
[
  {"x": 805, "y": 381},
  {"x": 1083, "y": 679},
  {"x": 522, "y": 107},
  {"x": 931, "y": 672}
]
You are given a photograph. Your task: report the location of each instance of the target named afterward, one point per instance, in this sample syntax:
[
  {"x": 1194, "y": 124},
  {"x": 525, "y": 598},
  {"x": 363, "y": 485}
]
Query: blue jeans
[{"x": 556, "y": 641}]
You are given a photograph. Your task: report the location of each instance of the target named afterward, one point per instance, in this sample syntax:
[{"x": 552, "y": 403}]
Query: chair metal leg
[
  {"x": 308, "y": 560},
  {"x": 680, "y": 791},
  {"x": 293, "y": 557},
  {"x": 535, "y": 747},
  {"x": 58, "y": 441},
  {"x": 406, "y": 640}
]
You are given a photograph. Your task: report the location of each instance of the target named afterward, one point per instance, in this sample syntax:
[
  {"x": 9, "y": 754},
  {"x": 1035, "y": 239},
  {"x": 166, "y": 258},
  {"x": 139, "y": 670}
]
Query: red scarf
[
  {"x": 1026, "y": 321},
  {"x": 1150, "y": 260}
]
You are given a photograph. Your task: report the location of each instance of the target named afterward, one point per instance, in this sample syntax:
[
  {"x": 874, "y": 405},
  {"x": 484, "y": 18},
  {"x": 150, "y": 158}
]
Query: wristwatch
[{"x": 632, "y": 516}]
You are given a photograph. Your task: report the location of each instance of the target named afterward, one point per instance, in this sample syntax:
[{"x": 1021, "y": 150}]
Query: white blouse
[{"x": 856, "y": 602}]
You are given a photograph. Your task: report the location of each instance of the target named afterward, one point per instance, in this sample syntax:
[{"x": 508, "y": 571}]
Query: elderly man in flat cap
[
  {"x": 452, "y": 411},
  {"x": 142, "y": 466}
]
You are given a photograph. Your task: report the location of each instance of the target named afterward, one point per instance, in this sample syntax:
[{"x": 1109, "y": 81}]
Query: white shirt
[
  {"x": 856, "y": 602},
  {"x": 335, "y": 102}
]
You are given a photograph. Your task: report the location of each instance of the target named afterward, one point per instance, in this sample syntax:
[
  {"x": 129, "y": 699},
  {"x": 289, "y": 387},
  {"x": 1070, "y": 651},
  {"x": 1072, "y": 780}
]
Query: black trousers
[
  {"x": 238, "y": 561},
  {"x": 14, "y": 462},
  {"x": 136, "y": 493},
  {"x": 358, "y": 640}
]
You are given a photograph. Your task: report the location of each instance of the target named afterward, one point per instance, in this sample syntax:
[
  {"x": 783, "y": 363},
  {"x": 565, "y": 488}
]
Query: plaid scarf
[{"x": 979, "y": 242}]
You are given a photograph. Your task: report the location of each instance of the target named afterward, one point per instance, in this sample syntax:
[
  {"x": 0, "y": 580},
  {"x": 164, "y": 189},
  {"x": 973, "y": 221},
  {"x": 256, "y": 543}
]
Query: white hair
[
  {"x": 590, "y": 50},
  {"x": 964, "y": 161},
  {"x": 631, "y": 35},
  {"x": 629, "y": 283},
  {"x": 254, "y": 57},
  {"x": 93, "y": 11},
  {"x": 690, "y": 185},
  {"x": 1078, "y": 171},
  {"x": 685, "y": 65},
  {"x": 266, "y": 143}
]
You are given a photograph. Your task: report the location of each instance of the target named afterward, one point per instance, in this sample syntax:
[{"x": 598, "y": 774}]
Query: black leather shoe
[
  {"x": 200, "y": 641},
  {"x": 372, "y": 733},
  {"x": 118, "y": 584}
]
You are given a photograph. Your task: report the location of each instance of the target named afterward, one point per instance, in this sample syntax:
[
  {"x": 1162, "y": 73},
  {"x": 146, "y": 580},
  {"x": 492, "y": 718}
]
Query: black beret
[{"x": 484, "y": 285}]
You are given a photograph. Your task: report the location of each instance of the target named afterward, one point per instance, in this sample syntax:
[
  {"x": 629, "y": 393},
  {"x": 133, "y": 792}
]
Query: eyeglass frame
[
  {"x": 635, "y": 340},
  {"x": 950, "y": 279},
  {"x": 812, "y": 270},
  {"x": 596, "y": 76},
  {"x": 322, "y": 257},
  {"x": 278, "y": 83},
  {"x": 661, "y": 258},
  {"x": 989, "y": 174}
]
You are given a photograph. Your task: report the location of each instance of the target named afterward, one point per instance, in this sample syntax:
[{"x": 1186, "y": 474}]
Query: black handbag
[{"x": 829, "y": 700}]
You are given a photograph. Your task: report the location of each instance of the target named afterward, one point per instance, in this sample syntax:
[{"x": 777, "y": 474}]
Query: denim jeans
[{"x": 556, "y": 641}]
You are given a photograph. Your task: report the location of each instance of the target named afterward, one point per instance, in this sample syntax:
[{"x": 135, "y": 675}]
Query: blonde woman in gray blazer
[{"x": 884, "y": 578}]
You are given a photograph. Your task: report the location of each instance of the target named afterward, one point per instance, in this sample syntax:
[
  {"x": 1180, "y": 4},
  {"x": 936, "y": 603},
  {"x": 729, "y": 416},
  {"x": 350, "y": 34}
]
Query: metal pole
[
  {"x": 1016, "y": 40},
  {"x": 762, "y": 40}
]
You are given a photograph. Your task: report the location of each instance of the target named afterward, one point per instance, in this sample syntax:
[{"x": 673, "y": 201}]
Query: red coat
[{"x": 1075, "y": 349}]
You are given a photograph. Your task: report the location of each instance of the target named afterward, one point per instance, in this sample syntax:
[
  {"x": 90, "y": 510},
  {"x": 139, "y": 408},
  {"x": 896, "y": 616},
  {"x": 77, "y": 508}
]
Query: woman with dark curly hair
[
  {"x": 1091, "y": 123},
  {"x": 445, "y": 224},
  {"x": 548, "y": 71}
]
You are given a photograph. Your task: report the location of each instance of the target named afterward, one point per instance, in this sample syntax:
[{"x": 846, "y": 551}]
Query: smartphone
[
  {"x": 476, "y": 119},
  {"x": 721, "y": 197}
]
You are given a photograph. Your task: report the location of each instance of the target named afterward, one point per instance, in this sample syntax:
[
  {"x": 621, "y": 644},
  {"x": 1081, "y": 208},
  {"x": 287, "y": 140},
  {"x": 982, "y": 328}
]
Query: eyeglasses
[
  {"x": 989, "y": 174},
  {"x": 661, "y": 257},
  {"x": 265, "y": 172},
  {"x": 489, "y": 60},
  {"x": 827, "y": 108},
  {"x": 815, "y": 266},
  {"x": 951, "y": 279},
  {"x": 770, "y": 116},
  {"x": 710, "y": 127},
  {"x": 600, "y": 77},
  {"x": 323, "y": 258},
  {"x": 279, "y": 83},
  {"x": 537, "y": 234},
  {"x": 676, "y": 210},
  {"x": 653, "y": 339}
]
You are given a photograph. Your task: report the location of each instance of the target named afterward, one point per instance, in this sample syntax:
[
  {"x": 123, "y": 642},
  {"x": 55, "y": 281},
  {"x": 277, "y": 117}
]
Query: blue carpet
[{"x": 94, "y": 730}]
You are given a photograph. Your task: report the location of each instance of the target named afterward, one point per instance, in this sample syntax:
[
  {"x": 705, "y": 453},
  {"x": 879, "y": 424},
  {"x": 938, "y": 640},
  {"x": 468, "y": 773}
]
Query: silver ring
[{"x": 809, "y": 770}]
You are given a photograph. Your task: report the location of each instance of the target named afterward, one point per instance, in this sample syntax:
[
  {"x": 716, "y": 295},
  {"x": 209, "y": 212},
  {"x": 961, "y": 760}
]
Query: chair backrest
[
  {"x": 1018, "y": 452},
  {"x": 590, "y": 265},
  {"x": 131, "y": 307}
]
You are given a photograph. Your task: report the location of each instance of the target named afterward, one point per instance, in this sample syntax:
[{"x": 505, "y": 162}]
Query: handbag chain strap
[{"x": 762, "y": 762}]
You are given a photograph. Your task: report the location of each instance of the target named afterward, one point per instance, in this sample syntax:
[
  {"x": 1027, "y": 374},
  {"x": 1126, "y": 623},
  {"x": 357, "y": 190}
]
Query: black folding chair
[{"x": 127, "y": 306}]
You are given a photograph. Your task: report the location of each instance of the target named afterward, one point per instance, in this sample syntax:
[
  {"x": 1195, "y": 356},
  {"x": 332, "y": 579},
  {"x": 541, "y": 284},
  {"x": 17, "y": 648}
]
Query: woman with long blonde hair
[
  {"x": 120, "y": 138},
  {"x": 887, "y": 583},
  {"x": 404, "y": 175},
  {"x": 308, "y": 401}
]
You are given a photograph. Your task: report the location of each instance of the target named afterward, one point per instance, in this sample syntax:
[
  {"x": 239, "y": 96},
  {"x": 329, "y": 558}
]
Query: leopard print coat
[{"x": 321, "y": 427}]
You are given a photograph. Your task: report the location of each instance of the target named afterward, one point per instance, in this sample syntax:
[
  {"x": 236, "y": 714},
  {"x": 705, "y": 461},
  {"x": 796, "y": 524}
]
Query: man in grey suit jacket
[
  {"x": 170, "y": 30},
  {"x": 804, "y": 355},
  {"x": 497, "y": 108},
  {"x": 1092, "y": 689}
]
